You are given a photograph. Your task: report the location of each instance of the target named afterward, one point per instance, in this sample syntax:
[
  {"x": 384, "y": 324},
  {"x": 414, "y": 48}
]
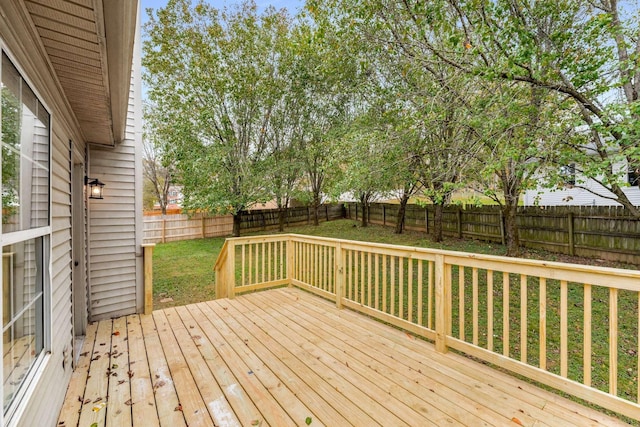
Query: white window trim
[{"x": 22, "y": 398}]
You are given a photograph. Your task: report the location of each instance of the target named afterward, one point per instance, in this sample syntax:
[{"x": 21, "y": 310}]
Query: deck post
[
  {"x": 338, "y": 270},
  {"x": 148, "y": 277},
  {"x": 290, "y": 261},
  {"x": 443, "y": 311},
  {"x": 231, "y": 270}
]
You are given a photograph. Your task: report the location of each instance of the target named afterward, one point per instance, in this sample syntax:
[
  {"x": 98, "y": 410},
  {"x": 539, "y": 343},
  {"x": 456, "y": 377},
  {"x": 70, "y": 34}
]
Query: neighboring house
[
  {"x": 71, "y": 109},
  {"x": 573, "y": 196}
]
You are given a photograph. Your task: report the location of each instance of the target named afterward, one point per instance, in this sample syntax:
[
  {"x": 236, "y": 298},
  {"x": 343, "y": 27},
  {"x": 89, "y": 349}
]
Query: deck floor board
[{"x": 285, "y": 357}]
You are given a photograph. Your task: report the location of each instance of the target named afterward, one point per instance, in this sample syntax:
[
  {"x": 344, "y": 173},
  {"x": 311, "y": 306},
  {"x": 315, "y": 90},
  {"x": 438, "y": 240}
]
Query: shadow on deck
[{"x": 285, "y": 357}]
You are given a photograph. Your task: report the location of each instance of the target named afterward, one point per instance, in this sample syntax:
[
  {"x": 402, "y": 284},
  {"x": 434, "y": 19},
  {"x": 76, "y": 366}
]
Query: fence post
[
  {"x": 502, "y": 238},
  {"x": 384, "y": 215},
  {"x": 326, "y": 210},
  {"x": 459, "y": 214},
  {"x": 443, "y": 300},
  {"x": 231, "y": 270},
  {"x": 572, "y": 246},
  {"x": 164, "y": 228},
  {"x": 426, "y": 219},
  {"x": 338, "y": 270},
  {"x": 148, "y": 277}
]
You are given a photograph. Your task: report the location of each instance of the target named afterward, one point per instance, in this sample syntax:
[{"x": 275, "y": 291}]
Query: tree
[
  {"x": 325, "y": 76},
  {"x": 211, "y": 77},
  {"x": 583, "y": 52},
  {"x": 156, "y": 171}
]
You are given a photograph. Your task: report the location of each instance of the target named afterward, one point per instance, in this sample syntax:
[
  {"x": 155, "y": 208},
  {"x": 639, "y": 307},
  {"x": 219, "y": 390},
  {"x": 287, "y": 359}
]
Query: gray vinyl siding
[
  {"x": 115, "y": 261},
  {"x": 112, "y": 236}
]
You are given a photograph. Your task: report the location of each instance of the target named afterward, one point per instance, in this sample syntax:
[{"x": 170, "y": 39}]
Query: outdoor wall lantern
[{"x": 95, "y": 187}]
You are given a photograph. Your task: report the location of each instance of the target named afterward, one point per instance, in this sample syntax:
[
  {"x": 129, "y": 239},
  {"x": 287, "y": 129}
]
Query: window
[
  {"x": 568, "y": 174},
  {"x": 24, "y": 237}
]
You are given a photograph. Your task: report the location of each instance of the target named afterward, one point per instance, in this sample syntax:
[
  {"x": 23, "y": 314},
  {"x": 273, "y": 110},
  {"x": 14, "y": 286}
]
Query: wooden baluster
[
  {"x": 461, "y": 303},
  {"x": 393, "y": 285},
  {"x": 369, "y": 279},
  {"x": 384, "y": 283},
  {"x": 401, "y": 287},
  {"x": 430, "y": 288},
  {"x": 263, "y": 261},
  {"x": 250, "y": 264},
  {"x": 564, "y": 339},
  {"x": 269, "y": 253},
  {"x": 243, "y": 265},
  {"x": 543, "y": 323},
  {"x": 587, "y": 325},
  {"x": 490, "y": 310},
  {"x": 613, "y": 341},
  {"x": 505, "y": 314},
  {"x": 523, "y": 318},
  {"x": 410, "y": 289},
  {"x": 474, "y": 274},
  {"x": 362, "y": 277},
  {"x": 420, "y": 293},
  {"x": 339, "y": 271},
  {"x": 377, "y": 280}
]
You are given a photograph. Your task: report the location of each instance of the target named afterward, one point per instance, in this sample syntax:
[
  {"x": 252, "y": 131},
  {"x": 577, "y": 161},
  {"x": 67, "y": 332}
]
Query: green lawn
[{"x": 183, "y": 271}]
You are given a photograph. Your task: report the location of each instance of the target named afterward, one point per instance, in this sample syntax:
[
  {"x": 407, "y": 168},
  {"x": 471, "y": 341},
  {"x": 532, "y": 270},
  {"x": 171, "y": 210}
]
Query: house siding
[
  {"x": 577, "y": 196},
  {"x": 115, "y": 266},
  {"x": 115, "y": 223}
]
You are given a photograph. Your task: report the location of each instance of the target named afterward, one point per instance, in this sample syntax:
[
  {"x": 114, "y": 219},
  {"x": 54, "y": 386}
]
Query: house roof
[{"x": 90, "y": 46}]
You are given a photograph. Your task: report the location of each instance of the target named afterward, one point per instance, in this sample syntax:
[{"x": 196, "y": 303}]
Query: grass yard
[{"x": 183, "y": 271}]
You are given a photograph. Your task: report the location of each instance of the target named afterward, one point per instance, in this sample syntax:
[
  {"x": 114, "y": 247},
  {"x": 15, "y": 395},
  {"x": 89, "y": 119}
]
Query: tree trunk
[
  {"x": 237, "y": 219},
  {"x": 512, "y": 237},
  {"x": 438, "y": 211},
  {"x": 402, "y": 210},
  {"x": 282, "y": 218},
  {"x": 316, "y": 208},
  {"x": 365, "y": 215}
]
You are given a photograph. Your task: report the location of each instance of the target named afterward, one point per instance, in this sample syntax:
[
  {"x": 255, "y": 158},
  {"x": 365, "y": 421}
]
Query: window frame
[{"x": 36, "y": 370}]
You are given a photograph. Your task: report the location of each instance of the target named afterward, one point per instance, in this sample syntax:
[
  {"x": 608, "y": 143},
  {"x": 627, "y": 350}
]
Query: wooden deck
[{"x": 284, "y": 357}]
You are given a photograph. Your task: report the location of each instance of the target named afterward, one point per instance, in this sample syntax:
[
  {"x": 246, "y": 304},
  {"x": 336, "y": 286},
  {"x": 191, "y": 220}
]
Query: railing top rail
[
  {"x": 222, "y": 255},
  {"x": 462, "y": 257}
]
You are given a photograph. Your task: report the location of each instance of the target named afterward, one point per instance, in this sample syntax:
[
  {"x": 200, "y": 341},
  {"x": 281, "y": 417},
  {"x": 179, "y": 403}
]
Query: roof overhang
[{"x": 90, "y": 46}]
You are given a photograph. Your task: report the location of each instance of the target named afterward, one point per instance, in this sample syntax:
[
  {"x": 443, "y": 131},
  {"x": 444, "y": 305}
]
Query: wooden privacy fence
[
  {"x": 572, "y": 327},
  {"x": 184, "y": 227},
  {"x": 593, "y": 231}
]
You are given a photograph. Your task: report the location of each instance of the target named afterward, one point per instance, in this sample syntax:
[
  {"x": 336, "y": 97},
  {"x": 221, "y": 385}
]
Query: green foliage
[{"x": 213, "y": 78}]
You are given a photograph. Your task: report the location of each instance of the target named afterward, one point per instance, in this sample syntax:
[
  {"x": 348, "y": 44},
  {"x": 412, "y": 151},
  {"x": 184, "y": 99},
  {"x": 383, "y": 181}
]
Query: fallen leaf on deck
[
  {"x": 517, "y": 421},
  {"x": 308, "y": 421},
  {"x": 120, "y": 382},
  {"x": 116, "y": 333},
  {"x": 130, "y": 373},
  {"x": 178, "y": 408},
  {"x": 98, "y": 407},
  {"x": 128, "y": 402},
  {"x": 411, "y": 337},
  {"x": 256, "y": 422}
]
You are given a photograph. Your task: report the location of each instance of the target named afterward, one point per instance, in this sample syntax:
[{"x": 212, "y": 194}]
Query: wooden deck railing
[{"x": 572, "y": 327}]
